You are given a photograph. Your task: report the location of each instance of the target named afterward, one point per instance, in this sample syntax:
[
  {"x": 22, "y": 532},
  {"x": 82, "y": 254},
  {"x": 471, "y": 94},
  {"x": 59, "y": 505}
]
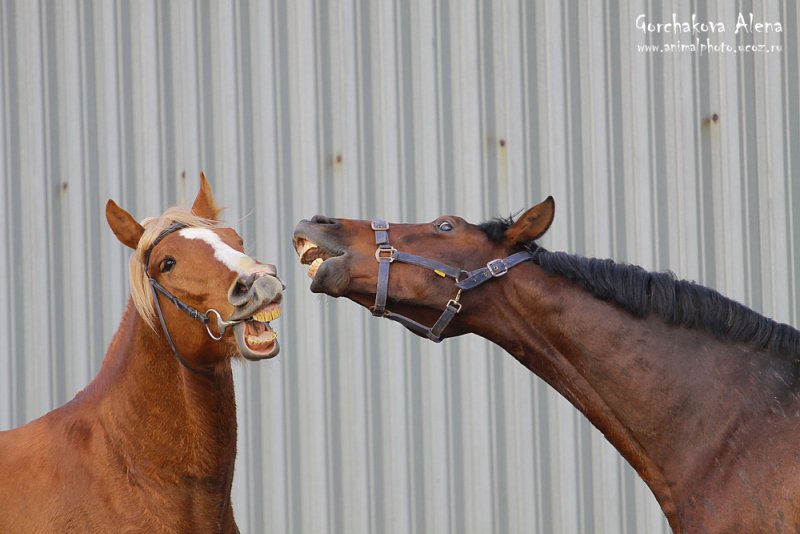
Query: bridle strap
[
  {"x": 183, "y": 362},
  {"x": 194, "y": 313},
  {"x": 386, "y": 254},
  {"x": 493, "y": 269},
  {"x": 158, "y": 288},
  {"x": 433, "y": 333}
]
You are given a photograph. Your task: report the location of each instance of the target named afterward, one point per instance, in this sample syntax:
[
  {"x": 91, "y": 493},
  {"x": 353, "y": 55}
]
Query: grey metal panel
[{"x": 405, "y": 110}]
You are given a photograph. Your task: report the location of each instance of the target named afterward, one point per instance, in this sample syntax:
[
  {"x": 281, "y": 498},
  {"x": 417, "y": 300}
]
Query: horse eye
[
  {"x": 445, "y": 226},
  {"x": 167, "y": 264}
]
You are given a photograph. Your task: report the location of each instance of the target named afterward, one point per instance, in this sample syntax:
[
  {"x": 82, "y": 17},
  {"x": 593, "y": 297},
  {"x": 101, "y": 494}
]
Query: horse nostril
[
  {"x": 241, "y": 288},
  {"x": 321, "y": 219}
]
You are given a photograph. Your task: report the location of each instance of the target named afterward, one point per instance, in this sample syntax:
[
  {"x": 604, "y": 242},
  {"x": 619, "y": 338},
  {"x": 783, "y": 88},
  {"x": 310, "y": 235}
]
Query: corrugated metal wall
[{"x": 407, "y": 110}]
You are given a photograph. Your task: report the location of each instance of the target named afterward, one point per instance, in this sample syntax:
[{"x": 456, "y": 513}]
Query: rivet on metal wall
[
  {"x": 338, "y": 163},
  {"x": 712, "y": 119}
]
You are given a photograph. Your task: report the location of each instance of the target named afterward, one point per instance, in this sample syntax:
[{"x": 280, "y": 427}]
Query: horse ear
[
  {"x": 533, "y": 223},
  {"x": 204, "y": 205},
  {"x": 124, "y": 226}
]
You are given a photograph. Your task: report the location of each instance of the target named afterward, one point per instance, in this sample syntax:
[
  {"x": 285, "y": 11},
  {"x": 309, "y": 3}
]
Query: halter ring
[{"x": 222, "y": 324}]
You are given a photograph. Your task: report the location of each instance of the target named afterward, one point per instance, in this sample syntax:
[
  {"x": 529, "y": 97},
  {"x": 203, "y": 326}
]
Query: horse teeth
[
  {"x": 267, "y": 337},
  {"x": 265, "y": 316},
  {"x": 312, "y": 269},
  {"x": 306, "y": 246}
]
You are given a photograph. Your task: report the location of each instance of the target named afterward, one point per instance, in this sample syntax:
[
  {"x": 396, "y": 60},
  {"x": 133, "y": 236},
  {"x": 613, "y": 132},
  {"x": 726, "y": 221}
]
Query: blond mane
[{"x": 141, "y": 293}]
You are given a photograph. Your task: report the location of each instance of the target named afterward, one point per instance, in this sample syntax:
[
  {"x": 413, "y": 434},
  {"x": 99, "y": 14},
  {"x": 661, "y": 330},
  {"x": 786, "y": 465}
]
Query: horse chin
[
  {"x": 256, "y": 340},
  {"x": 331, "y": 277}
]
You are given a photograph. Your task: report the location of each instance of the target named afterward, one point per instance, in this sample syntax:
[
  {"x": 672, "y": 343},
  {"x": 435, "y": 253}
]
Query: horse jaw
[{"x": 255, "y": 339}]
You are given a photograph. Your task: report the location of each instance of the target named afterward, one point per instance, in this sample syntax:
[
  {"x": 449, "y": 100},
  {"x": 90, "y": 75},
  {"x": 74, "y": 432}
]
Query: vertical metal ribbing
[{"x": 409, "y": 111}]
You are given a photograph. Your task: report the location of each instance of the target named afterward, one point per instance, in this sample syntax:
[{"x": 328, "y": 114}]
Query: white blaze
[{"x": 230, "y": 257}]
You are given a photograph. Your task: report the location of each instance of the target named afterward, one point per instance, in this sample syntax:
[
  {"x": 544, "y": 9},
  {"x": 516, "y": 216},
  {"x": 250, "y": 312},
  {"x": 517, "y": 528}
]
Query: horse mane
[
  {"x": 141, "y": 293},
  {"x": 678, "y": 302}
]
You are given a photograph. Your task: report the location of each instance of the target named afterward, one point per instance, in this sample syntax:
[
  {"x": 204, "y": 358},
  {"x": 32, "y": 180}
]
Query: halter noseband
[
  {"x": 386, "y": 254},
  {"x": 192, "y": 312}
]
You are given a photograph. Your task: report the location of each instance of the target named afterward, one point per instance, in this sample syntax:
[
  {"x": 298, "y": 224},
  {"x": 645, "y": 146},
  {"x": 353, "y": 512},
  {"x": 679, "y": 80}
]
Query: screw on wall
[{"x": 713, "y": 119}]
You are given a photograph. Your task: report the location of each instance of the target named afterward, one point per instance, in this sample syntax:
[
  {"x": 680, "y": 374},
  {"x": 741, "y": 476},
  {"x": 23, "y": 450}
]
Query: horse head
[
  {"x": 212, "y": 300},
  {"x": 431, "y": 264}
]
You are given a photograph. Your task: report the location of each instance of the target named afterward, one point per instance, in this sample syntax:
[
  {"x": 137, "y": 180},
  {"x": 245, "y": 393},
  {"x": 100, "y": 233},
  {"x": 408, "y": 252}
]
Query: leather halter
[
  {"x": 386, "y": 254},
  {"x": 192, "y": 312}
]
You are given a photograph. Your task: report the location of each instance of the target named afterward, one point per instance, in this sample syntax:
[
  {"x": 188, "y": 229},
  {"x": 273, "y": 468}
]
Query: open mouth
[
  {"x": 255, "y": 337},
  {"x": 311, "y": 254}
]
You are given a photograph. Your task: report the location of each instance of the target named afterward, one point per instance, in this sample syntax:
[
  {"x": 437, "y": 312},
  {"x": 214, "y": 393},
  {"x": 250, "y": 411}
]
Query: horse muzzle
[{"x": 256, "y": 299}]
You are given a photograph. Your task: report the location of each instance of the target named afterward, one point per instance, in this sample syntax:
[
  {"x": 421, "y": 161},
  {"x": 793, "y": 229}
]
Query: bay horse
[
  {"x": 149, "y": 445},
  {"x": 697, "y": 392}
]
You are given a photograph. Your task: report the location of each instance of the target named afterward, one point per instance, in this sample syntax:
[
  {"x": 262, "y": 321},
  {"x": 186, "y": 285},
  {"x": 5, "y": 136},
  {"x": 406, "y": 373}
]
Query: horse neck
[
  {"x": 644, "y": 384},
  {"x": 151, "y": 406}
]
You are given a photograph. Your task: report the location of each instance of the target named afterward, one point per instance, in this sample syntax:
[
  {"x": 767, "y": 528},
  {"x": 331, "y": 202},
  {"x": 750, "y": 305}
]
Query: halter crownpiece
[{"x": 386, "y": 254}]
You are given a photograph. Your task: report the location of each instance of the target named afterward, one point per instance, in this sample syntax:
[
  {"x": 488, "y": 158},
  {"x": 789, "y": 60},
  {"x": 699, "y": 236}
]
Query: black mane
[
  {"x": 678, "y": 302},
  {"x": 496, "y": 228}
]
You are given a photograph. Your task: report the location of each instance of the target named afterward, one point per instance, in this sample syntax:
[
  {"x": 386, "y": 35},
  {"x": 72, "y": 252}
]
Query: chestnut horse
[
  {"x": 149, "y": 445},
  {"x": 697, "y": 392}
]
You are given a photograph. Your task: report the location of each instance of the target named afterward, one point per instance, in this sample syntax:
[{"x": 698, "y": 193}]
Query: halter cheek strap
[{"x": 386, "y": 254}]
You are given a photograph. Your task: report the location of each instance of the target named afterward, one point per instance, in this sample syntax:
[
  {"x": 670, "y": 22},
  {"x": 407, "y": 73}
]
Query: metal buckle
[
  {"x": 380, "y": 251},
  {"x": 378, "y": 225},
  {"x": 497, "y": 268},
  {"x": 453, "y": 303}
]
